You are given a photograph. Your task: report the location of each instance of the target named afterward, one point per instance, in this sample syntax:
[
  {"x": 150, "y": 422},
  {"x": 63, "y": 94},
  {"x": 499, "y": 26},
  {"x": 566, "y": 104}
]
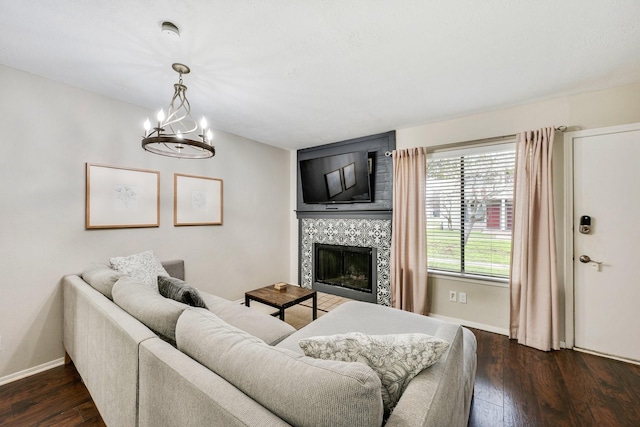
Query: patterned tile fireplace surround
[{"x": 373, "y": 233}]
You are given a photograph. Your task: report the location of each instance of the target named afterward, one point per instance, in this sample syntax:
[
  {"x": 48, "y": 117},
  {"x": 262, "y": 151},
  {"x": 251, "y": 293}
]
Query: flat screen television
[{"x": 341, "y": 178}]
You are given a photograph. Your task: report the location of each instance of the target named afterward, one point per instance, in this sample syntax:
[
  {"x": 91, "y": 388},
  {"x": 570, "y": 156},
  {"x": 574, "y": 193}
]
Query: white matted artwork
[
  {"x": 197, "y": 200},
  {"x": 118, "y": 197}
]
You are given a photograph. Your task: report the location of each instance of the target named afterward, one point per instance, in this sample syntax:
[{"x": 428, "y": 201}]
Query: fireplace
[
  {"x": 348, "y": 271},
  {"x": 371, "y": 232}
]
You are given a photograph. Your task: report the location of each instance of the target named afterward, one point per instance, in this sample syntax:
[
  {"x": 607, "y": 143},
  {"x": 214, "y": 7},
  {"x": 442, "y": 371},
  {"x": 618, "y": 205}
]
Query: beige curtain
[
  {"x": 533, "y": 282},
  {"x": 409, "y": 232}
]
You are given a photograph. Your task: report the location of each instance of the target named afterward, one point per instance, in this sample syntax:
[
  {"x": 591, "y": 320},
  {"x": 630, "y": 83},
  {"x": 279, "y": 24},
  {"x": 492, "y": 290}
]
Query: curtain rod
[{"x": 483, "y": 140}]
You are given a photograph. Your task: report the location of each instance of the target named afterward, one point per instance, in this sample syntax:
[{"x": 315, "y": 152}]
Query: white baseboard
[
  {"x": 608, "y": 356},
  {"x": 482, "y": 327},
  {"x": 470, "y": 324},
  {"x": 31, "y": 371}
]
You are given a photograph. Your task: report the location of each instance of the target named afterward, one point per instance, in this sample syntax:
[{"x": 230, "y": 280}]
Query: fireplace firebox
[{"x": 348, "y": 271}]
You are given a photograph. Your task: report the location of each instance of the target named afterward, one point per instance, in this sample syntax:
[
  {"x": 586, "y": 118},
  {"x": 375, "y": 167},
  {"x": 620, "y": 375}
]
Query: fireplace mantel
[{"x": 329, "y": 214}]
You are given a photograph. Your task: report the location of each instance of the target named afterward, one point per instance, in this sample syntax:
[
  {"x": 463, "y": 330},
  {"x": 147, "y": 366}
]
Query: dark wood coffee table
[{"x": 289, "y": 296}]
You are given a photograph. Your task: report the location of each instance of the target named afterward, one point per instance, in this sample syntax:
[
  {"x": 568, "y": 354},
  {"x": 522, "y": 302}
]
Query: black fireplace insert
[{"x": 345, "y": 270}]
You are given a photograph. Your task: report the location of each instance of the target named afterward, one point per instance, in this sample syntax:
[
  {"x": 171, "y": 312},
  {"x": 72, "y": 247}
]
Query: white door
[{"x": 606, "y": 165}]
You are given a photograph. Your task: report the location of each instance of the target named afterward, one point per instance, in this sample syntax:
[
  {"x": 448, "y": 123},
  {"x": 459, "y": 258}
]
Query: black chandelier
[{"x": 177, "y": 134}]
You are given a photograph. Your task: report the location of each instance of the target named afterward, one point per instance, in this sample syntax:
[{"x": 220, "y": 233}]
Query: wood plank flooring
[
  {"x": 56, "y": 397},
  {"x": 515, "y": 386},
  {"x": 521, "y": 386}
]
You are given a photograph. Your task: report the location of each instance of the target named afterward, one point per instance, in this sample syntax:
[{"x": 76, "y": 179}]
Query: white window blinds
[{"x": 469, "y": 210}]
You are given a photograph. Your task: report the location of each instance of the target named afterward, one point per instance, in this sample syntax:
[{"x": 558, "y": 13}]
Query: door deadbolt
[{"x": 585, "y": 225}]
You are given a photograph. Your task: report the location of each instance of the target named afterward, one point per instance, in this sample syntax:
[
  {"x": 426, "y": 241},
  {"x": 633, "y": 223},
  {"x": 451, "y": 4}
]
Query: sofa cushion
[
  {"x": 396, "y": 358},
  {"x": 144, "y": 266},
  {"x": 368, "y": 318},
  {"x": 158, "y": 313},
  {"x": 301, "y": 390},
  {"x": 268, "y": 328},
  {"x": 101, "y": 277},
  {"x": 178, "y": 290}
]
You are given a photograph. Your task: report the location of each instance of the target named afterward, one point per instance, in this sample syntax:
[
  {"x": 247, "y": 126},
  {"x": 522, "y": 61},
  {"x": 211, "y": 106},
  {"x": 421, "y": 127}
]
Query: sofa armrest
[
  {"x": 175, "y": 268},
  {"x": 436, "y": 396},
  {"x": 102, "y": 340}
]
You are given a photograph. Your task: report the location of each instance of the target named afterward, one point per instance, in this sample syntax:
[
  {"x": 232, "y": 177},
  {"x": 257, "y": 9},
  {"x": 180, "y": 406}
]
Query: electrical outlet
[
  {"x": 462, "y": 297},
  {"x": 452, "y": 296}
]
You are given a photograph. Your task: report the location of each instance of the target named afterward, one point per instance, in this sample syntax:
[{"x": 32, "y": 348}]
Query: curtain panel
[
  {"x": 534, "y": 312},
  {"x": 409, "y": 232}
]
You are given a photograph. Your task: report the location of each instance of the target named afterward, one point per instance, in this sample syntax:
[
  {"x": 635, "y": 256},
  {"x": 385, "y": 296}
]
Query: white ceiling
[{"x": 298, "y": 73}]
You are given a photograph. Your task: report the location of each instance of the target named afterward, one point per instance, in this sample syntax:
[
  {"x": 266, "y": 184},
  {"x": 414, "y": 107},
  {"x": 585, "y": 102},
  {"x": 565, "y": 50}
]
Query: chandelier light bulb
[
  {"x": 209, "y": 136},
  {"x": 179, "y": 135},
  {"x": 147, "y": 125},
  {"x": 203, "y": 123},
  {"x": 160, "y": 115}
]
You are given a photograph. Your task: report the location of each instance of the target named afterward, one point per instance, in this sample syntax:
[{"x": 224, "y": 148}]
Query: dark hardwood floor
[
  {"x": 56, "y": 397},
  {"x": 515, "y": 386},
  {"x": 521, "y": 386}
]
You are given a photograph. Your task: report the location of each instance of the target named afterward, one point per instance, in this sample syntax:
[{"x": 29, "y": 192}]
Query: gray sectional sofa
[{"x": 151, "y": 361}]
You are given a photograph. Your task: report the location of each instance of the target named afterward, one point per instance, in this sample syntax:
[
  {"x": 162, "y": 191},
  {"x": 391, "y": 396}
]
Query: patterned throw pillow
[
  {"x": 395, "y": 358},
  {"x": 144, "y": 266}
]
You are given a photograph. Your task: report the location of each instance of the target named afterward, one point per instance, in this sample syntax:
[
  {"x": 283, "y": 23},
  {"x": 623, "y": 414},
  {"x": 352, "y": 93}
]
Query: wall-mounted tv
[{"x": 341, "y": 178}]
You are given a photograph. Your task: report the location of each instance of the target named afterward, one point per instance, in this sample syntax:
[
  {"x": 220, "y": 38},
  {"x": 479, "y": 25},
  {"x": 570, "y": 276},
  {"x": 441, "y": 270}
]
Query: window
[{"x": 469, "y": 210}]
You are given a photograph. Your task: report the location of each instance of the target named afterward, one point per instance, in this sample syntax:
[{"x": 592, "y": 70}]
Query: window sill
[{"x": 470, "y": 278}]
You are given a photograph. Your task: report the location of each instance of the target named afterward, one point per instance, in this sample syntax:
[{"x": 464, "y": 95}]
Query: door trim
[
  {"x": 569, "y": 314},
  {"x": 569, "y": 137}
]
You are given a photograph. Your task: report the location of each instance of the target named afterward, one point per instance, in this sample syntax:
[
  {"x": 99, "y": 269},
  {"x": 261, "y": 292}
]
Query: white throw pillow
[
  {"x": 395, "y": 358},
  {"x": 144, "y": 266}
]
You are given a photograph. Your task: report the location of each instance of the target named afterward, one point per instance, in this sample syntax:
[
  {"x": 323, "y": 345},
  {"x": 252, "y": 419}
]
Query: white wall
[
  {"x": 48, "y": 131},
  {"x": 488, "y": 306}
]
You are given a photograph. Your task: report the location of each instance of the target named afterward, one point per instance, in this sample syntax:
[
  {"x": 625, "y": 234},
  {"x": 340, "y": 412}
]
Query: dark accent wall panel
[{"x": 381, "y": 179}]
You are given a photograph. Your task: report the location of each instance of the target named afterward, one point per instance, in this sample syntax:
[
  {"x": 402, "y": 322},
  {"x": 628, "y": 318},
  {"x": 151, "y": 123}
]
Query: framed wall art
[
  {"x": 118, "y": 197},
  {"x": 197, "y": 200}
]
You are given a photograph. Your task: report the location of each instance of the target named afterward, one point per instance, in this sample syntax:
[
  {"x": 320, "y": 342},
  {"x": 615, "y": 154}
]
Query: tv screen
[{"x": 342, "y": 178}]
